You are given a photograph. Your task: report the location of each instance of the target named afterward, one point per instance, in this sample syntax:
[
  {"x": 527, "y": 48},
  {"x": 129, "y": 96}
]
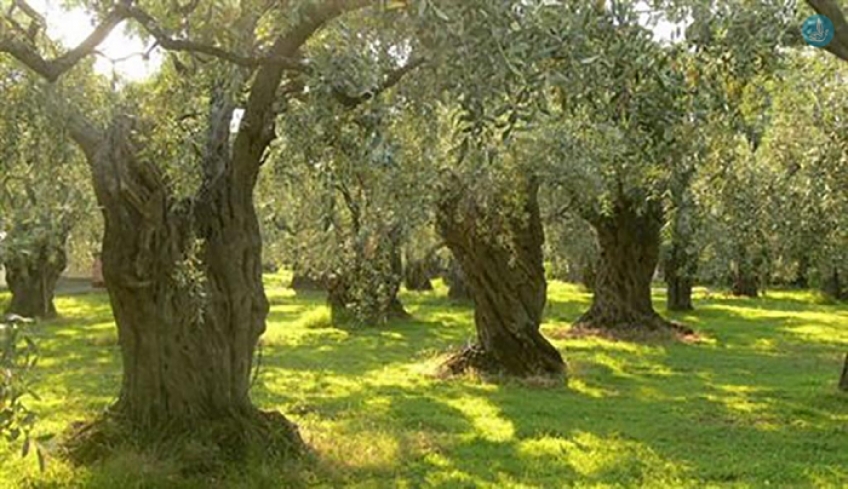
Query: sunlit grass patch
[{"x": 755, "y": 404}]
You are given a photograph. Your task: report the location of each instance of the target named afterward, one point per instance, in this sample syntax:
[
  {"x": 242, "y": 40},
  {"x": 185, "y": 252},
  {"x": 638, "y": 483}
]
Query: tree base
[
  {"x": 475, "y": 359},
  {"x": 631, "y": 327},
  {"x": 201, "y": 447}
]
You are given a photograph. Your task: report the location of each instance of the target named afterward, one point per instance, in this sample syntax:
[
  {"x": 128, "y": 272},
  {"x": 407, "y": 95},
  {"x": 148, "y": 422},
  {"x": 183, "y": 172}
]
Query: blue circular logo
[{"x": 818, "y": 31}]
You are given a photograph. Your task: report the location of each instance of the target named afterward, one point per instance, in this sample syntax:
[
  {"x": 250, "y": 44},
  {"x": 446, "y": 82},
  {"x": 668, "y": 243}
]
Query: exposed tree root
[
  {"x": 645, "y": 327},
  {"x": 199, "y": 447},
  {"x": 473, "y": 359}
]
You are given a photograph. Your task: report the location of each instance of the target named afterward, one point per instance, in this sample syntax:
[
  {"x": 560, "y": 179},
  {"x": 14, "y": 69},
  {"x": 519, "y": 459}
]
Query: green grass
[{"x": 754, "y": 404}]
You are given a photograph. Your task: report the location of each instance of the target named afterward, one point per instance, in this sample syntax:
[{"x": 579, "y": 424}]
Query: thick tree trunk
[
  {"x": 185, "y": 282},
  {"x": 507, "y": 284},
  {"x": 629, "y": 242},
  {"x": 186, "y": 292},
  {"x": 32, "y": 281}
]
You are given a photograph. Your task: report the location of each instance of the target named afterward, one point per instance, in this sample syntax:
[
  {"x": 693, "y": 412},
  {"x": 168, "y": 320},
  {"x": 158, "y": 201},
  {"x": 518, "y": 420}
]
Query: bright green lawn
[{"x": 755, "y": 404}]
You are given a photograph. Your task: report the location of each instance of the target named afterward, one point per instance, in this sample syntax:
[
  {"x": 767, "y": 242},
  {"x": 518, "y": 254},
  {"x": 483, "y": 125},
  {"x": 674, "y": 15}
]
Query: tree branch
[
  {"x": 169, "y": 43},
  {"x": 257, "y": 127},
  {"x": 830, "y": 9},
  {"x": 393, "y": 78},
  {"x": 53, "y": 69}
]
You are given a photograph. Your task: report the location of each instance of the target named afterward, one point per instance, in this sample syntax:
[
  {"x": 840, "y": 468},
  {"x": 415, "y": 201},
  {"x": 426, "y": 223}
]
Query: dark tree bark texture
[
  {"x": 32, "y": 281},
  {"x": 184, "y": 277},
  {"x": 629, "y": 241},
  {"x": 185, "y": 282},
  {"x": 508, "y": 285}
]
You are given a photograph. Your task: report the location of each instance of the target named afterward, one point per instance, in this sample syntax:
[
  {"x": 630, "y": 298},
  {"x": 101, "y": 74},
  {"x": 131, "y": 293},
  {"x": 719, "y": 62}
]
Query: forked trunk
[
  {"x": 629, "y": 242},
  {"x": 185, "y": 282},
  {"x": 32, "y": 281},
  {"x": 507, "y": 284}
]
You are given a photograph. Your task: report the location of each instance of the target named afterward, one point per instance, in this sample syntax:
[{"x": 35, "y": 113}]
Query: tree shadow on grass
[{"x": 751, "y": 406}]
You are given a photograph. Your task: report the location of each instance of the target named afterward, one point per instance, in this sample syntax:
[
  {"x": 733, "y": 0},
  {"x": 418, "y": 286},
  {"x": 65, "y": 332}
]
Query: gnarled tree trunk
[
  {"x": 629, "y": 241},
  {"x": 32, "y": 280},
  {"x": 507, "y": 284},
  {"x": 185, "y": 282}
]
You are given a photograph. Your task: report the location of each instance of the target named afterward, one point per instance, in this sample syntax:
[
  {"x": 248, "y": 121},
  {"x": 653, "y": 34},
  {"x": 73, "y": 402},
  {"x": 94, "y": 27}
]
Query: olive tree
[
  {"x": 182, "y": 259},
  {"x": 43, "y": 194}
]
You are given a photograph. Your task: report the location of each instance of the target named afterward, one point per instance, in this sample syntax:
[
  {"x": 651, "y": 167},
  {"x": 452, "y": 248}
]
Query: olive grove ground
[{"x": 753, "y": 403}]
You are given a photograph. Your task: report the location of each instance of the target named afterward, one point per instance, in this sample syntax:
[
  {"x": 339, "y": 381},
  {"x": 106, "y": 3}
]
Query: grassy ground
[{"x": 752, "y": 405}]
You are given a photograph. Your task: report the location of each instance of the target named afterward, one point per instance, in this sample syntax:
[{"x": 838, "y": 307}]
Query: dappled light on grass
[{"x": 755, "y": 402}]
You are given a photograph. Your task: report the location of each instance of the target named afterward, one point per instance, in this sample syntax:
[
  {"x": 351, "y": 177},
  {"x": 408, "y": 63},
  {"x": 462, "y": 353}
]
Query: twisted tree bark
[
  {"x": 629, "y": 240},
  {"x": 507, "y": 284}
]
